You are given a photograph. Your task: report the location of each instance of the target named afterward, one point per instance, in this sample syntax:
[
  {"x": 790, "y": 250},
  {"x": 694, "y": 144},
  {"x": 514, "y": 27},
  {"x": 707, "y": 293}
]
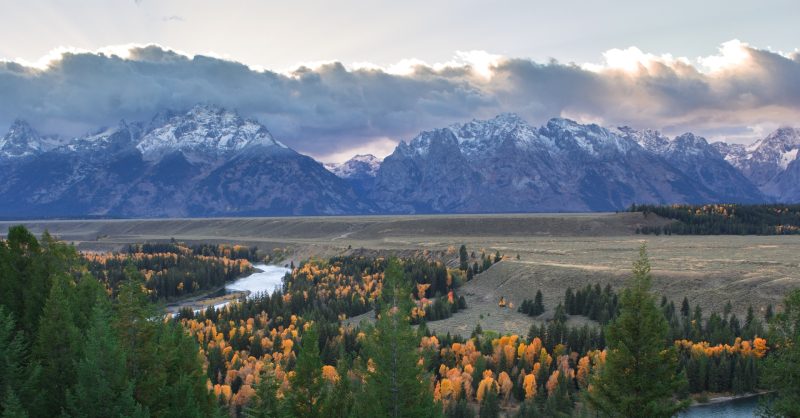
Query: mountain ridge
[{"x": 209, "y": 161}]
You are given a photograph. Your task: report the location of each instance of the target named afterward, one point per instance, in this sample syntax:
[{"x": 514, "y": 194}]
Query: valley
[{"x": 555, "y": 251}]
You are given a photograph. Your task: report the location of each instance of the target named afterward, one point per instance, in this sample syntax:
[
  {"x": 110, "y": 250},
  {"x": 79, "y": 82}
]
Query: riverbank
[{"x": 727, "y": 398}]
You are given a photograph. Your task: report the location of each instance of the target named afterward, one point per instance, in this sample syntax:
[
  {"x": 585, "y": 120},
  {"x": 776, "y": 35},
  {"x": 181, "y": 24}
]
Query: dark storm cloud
[{"x": 330, "y": 109}]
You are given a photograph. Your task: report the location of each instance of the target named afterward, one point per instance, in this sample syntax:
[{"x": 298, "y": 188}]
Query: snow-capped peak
[
  {"x": 590, "y": 138},
  {"x": 649, "y": 139},
  {"x": 478, "y": 136},
  {"x": 360, "y": 166},
  {"x": 779, "y": 147},
  {"x": 22, "y": 140},
  {"x": 203, "y": 129}
]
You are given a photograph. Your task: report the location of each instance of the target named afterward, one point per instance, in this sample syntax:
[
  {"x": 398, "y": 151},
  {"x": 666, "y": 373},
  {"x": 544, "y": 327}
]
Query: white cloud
[{"x": 732, "y": 55}]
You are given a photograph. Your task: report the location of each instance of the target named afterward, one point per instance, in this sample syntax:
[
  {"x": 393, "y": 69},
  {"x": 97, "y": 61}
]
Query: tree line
[
  {"x": 723, "y": 219},
  {"x": 173, "y": 270}
]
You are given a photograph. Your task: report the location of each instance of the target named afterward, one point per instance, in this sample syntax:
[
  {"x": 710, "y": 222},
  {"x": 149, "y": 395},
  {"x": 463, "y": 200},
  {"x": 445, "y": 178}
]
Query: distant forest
[{"x": 723, "y": 219}]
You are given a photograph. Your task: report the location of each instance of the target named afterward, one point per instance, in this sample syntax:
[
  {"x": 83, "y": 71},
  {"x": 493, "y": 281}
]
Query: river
[
  {"x": 266, "y": 280},
  {"x": 737, "y": 408}
]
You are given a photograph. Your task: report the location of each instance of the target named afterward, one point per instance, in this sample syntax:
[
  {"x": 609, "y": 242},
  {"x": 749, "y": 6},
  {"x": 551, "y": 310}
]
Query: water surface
[{"x": 738, "y": 408}]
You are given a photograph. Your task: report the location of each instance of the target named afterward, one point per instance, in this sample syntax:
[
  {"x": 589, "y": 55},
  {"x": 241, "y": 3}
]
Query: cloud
[{"x": 328, "y": 109}]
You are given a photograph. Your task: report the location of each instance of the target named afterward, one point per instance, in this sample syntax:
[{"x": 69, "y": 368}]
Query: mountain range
[{"x": 209, "y": 161}]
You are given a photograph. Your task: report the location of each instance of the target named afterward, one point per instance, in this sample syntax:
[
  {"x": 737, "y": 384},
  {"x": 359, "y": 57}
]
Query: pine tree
[
  {"x": 15, "y": 378},
  {"x": 685, "y": 310},
  {"x": 538, "y": 305},
  {"x": 265, "y": 403},
  {"x": 184, "y": 391},
  {"x": 395, "y": 388},
  {"x": 137, "y": 324},
  {"x": 490, "y": 407},
  {"x": 17, "y": 255},
  {"x": 102, "y": 388},
  {"x": 639, "y": 376},
  {"x": 11, "y": 406},
  {"x": 782, "y": 366},
  {"x": 462, "y": 257},
  {"x": 338, "y": 397},
  {"x": 12, "y": 356},
  {"x": 57, "y": 347},
  {"x": 304, "y": 397}
]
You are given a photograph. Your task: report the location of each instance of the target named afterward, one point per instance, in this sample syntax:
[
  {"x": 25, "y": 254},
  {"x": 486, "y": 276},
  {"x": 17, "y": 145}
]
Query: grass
[{"x": 555, "y": 251}]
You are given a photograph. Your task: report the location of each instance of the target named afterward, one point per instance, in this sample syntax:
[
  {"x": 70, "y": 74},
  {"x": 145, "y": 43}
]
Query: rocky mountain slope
[
  {"x": 204, "y": 162},
  {"x": 770, "y": 163},
  {"x": 506, "y": 165},
  {"x": 209, "y": 161}
]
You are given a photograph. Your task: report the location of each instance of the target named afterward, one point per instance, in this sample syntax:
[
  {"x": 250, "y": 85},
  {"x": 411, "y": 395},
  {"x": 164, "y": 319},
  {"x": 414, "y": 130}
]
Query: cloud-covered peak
[{"x": 332, "y": 109}]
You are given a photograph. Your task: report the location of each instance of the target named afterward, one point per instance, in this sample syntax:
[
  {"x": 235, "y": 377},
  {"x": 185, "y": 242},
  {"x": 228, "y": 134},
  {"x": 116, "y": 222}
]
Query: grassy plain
[{"x": 555, "y": 251}]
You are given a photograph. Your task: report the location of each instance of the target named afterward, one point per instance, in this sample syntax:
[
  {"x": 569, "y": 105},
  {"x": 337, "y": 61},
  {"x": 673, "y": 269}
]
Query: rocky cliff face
[
  {"x": 506, "y": 165},
  {"x": 204, "y": 162},
  {"x": 769, "y": 163}
]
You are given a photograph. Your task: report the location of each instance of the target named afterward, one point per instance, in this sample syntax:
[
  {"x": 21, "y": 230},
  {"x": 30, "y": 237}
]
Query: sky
[{"x": 335, "y": 78}]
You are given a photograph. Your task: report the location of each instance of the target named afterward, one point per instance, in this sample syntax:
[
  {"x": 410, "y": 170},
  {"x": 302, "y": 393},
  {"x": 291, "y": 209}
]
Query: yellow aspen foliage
[
  {"x": 529, "y": 384},
  {"x": 486, "y": 384},
  {"x": 552, "y": 383},
  {"x": 446, "y": 389},
  {"x": 509, "y": 352},
  {"x": 287, "y": 346},
  {"x": 583, "y": 371},
  {"x": 505, "y": 384},
  {"x": 226, "y": 392},
  {"x": 330, "y": 374},
  {"x": 759, "y": 347}
]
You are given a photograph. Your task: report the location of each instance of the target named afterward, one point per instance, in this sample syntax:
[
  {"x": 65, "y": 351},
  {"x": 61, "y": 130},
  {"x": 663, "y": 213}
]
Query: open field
[{"x": 555, "y": 251}]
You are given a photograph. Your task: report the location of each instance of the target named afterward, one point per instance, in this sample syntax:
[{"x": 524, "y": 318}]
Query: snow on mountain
[
  {"x": 359, "y": 167},
  {"x": 204, "y": 162},
  {"x": 649, "y": 139},
  {"x": 205, "y": 130},
  {"x": 504, "y": 164},
  {"x": 23, "y": 141},
  {"x": 769, "y": 162},
  {"x": 209, "y": 161}
]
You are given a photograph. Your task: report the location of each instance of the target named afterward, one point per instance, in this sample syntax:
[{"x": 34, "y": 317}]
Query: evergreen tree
[
  {"x": 462, "y": 257},
  {"x": 137, "y": 324},
  {"x": 538, "y": 305},
  {"x": 685, "y": 309},
  {"x": 161, "y": 360},
  {"x": 102, "y": 387},
  {"x": 338, "y": 397},
  {"x": 490, "y": 407},
  {"x": 15, "y": 379},
  {"x": 782, "y": 366},
  {"x": 265, "y": 403},
  {"x": 394, "y": 388},
  {"x": 57, "y": 347},
  {"x": 184, "y": 392},
  {"x": 18, "y": 271},
  {"x": 12, "y": 407},
  {"x": 304, "y": 398},
  {"x": 639, "y": 376}
]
